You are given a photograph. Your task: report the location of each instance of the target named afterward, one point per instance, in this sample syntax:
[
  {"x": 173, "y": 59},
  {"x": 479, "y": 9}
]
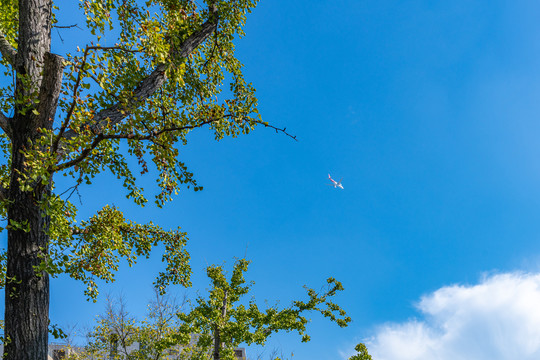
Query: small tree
[
  {"x": 115, "y": 333},
  {"x": 223, "y": 322},
  {"x": 216, "y": 324}
]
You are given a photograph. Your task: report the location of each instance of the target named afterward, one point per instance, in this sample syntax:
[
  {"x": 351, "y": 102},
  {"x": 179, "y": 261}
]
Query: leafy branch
[{"x": 149, "y": 85}]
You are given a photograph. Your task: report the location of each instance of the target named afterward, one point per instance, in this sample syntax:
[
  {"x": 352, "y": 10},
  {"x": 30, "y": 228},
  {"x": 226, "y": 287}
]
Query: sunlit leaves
[
  {"x": 148, "y": 34},
  {"x": 130, "y": 40},
  {"x": 93, "y": 249},
  {"x": 223, "y": 313},
  {"x": 362, "y": 353},
  {"x": 9, "y": 20}
]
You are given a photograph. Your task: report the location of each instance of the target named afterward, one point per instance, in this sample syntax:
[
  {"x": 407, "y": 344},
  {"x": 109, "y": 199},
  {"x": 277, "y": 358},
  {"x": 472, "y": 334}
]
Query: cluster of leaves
[
  {"x": 93, "y": 249},
  {"x": 362, "y": 353}
]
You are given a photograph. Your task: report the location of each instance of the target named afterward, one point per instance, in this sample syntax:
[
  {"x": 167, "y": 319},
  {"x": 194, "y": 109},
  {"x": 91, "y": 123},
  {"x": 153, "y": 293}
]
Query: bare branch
[
  {"x": 148, "y": 86},
  {"x": 8, "y": 52},
  {"x": 284, "y": 130},
  {"x": 66, "y": 26},
  {"x": 105, "y": 48}
]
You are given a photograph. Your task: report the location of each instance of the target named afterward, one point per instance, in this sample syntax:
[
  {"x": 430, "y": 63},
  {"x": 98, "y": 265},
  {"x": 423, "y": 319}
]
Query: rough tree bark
[{"x": 27, "y": 292}]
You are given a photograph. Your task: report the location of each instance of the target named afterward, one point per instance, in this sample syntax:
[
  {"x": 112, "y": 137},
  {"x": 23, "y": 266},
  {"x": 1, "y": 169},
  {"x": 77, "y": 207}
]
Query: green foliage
[
  {"x": 362, "y": 353},
  {"x": 94, "y": 248},
  {"x": 57, "y": 332},
  {"x": 130, "y": 41},
  {"x": 222, "y": 314},
  {"x": 220, "y": 320},
  {"x": 9, "y": 20}
]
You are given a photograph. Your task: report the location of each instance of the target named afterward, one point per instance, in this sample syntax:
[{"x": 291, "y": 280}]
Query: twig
[
  {"x": 67, "y": 26},
  {"x": 106, "y": 48}
]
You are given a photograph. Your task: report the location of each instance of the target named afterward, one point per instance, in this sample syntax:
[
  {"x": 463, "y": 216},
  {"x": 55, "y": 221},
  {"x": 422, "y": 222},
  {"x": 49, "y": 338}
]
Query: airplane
[{"x": 334, "y": 183}]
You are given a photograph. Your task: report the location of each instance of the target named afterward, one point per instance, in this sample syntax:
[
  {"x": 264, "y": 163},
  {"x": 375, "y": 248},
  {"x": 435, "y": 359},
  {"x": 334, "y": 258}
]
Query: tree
[
  {"x": 362, "y": 353},
  {"x": 138, "y": 94},
  {"x": 214, "y": 325},
  {"x": 117, "y": 334}
]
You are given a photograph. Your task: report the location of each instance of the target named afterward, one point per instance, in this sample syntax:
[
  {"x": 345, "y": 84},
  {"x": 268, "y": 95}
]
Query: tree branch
[
  {"x": 65, "y": 123},
  {"x": 50, "y": 88},
  {"x": 66, "y": 26},
  {"x": 8, "y": 52},
  {"x": 100, "y": 137},
  {"x": 153, "y": 134},
  {"x": 3, "y": 193},
  {"x": 4, "y": 124},
  {"x": 148, "y": 86}
]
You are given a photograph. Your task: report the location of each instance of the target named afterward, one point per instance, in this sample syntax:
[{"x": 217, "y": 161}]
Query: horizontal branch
[
  {"x": 66, "y": 26},
  {"x": 154, "y": 134},
  {"x": 148, "y": 86},
  {"x": 100, "y": 137},
  {"x": 105, "y": 48},
  {"x": 8, "y": 52}
]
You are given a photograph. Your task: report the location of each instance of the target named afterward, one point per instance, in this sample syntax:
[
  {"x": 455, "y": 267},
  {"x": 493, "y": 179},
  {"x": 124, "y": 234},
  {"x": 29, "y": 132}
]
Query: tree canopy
[
  {"x": 123, "y": 101},
  {"x": 139, "y": 95}
]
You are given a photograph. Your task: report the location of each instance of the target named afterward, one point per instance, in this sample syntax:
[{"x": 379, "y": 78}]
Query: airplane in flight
[{"x": 335, "y": 183}]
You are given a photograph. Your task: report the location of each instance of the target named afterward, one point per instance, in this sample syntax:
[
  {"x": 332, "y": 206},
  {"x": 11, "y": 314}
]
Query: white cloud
[{"x": 498, "y": 319}]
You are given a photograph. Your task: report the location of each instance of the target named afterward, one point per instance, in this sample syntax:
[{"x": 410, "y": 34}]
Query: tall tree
[{"x": 157, "y": 76}]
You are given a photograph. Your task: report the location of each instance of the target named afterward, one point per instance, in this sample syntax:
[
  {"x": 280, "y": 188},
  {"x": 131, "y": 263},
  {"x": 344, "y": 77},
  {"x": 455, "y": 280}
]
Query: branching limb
[
  {"x": 50, "y": 88},
  {"x": 67, "y": 119},
  {"x": 148, "y": 86},
  {"x": 8, "y": 52},
  {"x": 100, "y": 137},
  {"x": 152, "y": 135},
  {"x": 107, "y": 48}
]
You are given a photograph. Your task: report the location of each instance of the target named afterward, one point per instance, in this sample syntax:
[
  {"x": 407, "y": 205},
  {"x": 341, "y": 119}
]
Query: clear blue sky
[{"x": 428, "y": 110}]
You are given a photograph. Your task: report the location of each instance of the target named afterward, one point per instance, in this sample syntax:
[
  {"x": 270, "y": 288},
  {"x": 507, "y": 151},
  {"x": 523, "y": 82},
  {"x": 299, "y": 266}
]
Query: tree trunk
[
  {"x": 218, "y": 345},
  {"x": 27, "y": 292}
]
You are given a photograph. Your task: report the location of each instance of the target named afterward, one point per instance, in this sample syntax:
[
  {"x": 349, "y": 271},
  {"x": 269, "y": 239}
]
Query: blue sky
[{"x": 430, "y": 113}]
